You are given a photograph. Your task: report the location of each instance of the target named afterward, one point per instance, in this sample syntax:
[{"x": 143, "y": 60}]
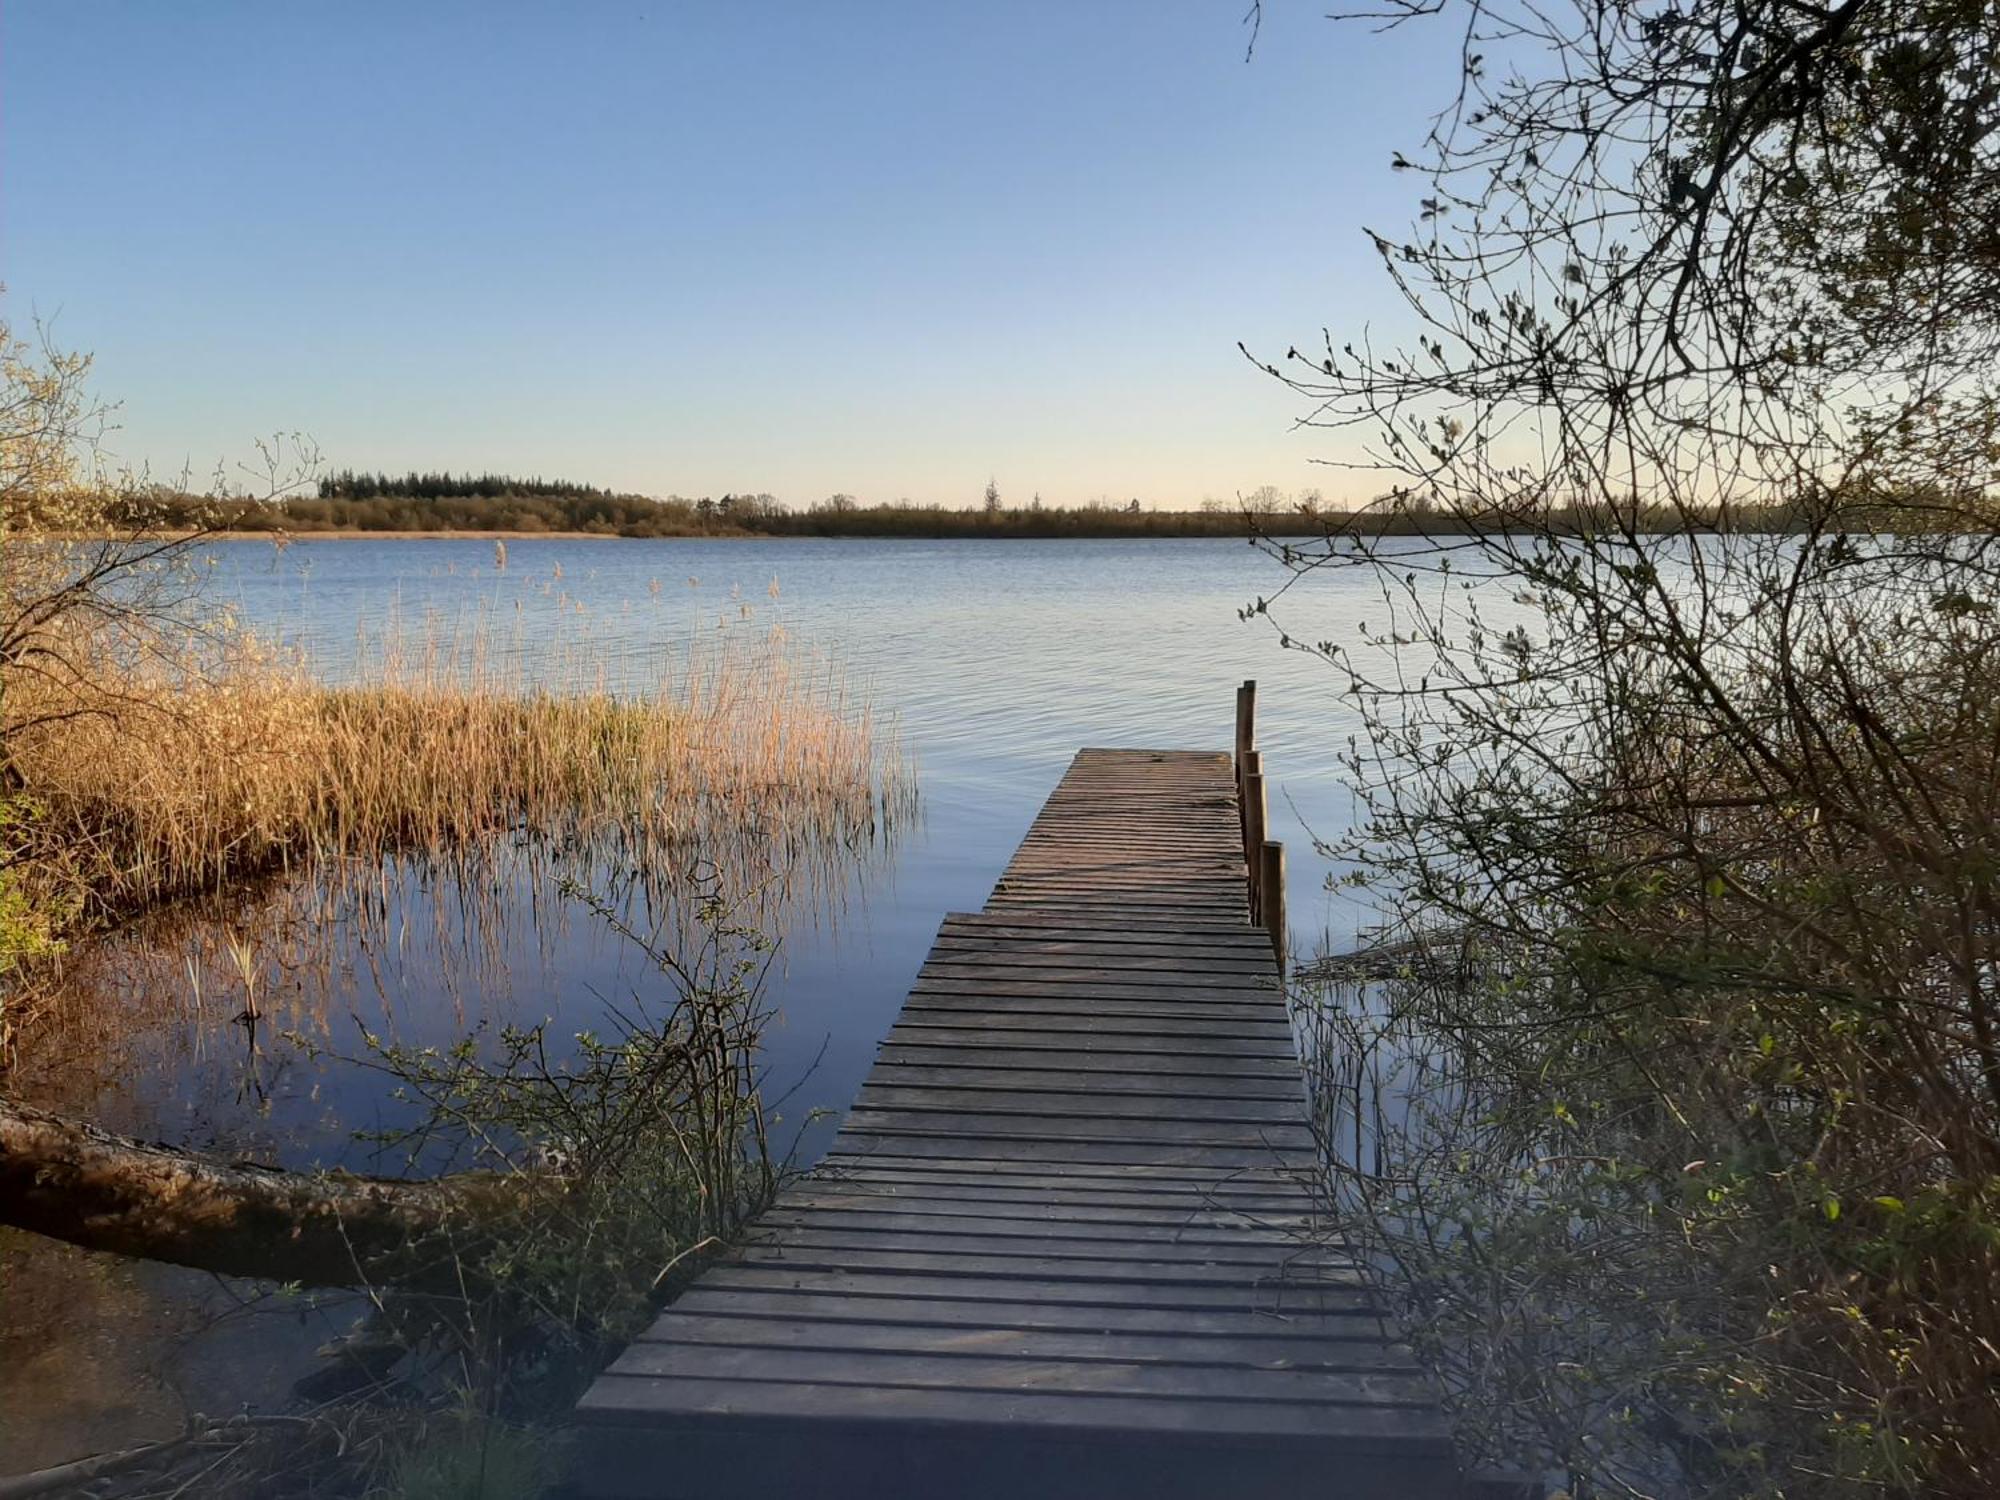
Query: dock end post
[{"x": 1271, "y": 897}]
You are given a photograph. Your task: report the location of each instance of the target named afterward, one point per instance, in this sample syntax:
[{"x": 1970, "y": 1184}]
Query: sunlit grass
[{"x": 195, "y": 777}]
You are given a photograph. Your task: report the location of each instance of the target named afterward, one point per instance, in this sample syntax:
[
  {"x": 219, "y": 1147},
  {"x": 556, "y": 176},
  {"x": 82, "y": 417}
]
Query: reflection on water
[
  {"x": 234, "y": 1024},
  {"x": 235, "y": 1029}
]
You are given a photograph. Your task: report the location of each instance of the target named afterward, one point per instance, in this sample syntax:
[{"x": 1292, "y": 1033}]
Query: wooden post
[
  {"x": 1246, "y": 723},
  {"x": 1256, "y": 813},
  {"x": 1271, "y": 903},
  {"x": 1247, "y": 764}
]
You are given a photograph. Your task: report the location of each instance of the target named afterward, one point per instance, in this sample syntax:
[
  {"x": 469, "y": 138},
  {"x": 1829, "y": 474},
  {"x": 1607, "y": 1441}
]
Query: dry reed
[{"x": 244, "y": 763}]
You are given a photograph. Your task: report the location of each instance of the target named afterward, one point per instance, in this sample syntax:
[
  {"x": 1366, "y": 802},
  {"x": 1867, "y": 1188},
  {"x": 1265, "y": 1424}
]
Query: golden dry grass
[{"x": 197, "y": 775}]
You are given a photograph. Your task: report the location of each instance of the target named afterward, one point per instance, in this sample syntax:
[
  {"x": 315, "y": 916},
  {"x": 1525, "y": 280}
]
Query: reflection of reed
[
  {"x": 421, "y": 946},
  {"x": 394, "y": 846}
]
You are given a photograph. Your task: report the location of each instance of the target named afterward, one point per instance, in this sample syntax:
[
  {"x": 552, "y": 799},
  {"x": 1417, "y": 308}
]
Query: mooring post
[
  {"x": 1256, "y": 812},
  {"x": 1248, "y": 763},
  {"x": 1271, "y": 895},
  {"x": 1246, "y": 723}
]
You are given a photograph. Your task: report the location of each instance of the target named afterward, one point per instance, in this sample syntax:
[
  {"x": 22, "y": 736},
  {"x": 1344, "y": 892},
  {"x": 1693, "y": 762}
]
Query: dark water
[{"x": 996, "y": 662}]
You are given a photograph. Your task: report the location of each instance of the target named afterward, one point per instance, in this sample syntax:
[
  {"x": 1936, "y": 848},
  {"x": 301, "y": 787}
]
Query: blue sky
[{"x": 889, "y": 249}]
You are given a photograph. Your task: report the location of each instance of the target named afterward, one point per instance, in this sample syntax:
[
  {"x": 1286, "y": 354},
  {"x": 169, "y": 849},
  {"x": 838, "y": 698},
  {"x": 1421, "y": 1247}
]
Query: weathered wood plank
[
  {"x": 1276, "y": 1301},
  {"x": 1247, "y": 1027},
  {"x": 1112, "y": 1228},
  {"x": 1155, "y": 1106},
  {"x": 1080, "y": 992},
  {"x": 1196, "y": 1084},
  {"x": 930, "y": 1370},
  {"x": 1351, "y": 1321},
  {"x": 798, "y": 1329},
  {"x": 983, "y": 1148},
  {"x": 1362, "y": 1421},
  {"x": 1076, "y": 1125},
  {"x": 1261, "y": 1255},
  {"x": 933, "y": 1031},
  {"x": 955, "y": 1052}
]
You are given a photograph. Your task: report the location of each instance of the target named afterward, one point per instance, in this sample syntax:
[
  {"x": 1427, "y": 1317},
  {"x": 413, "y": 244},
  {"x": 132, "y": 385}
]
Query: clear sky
[{"x": 889, "y": 249}]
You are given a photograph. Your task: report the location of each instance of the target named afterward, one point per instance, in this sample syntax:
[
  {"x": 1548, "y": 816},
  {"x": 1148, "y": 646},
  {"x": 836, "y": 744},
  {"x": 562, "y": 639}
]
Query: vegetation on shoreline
[
  {"x": 152, "y": 750},
  {"x": 406, "y": 508},
  {"x": 240, "y": 763},
  {"x": 1679, "y": 1118}
]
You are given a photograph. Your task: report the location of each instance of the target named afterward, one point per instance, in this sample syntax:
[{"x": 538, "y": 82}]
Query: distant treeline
[
  {"x": 905, "y": 520},
  {"x": 348, "y": 485},
  {"x": 597, "y": 513},
  {"x": 376, "y": 503},
  {"x": 594, "y": 512}
]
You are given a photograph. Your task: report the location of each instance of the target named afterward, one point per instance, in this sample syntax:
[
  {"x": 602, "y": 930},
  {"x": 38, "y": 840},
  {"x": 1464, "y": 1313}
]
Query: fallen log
[{"x": 89, "y": 1187}]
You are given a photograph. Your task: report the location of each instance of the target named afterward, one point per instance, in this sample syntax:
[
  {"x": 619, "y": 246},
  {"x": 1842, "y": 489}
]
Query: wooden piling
[
  {"x": 1246, "y": 722},
  {"x": 1256, "y": 815},
  {"x": 1271, "y": 894}
]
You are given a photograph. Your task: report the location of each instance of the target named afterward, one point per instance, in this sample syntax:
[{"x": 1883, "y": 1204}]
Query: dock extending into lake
[{"x": 1068, "y": 1241}]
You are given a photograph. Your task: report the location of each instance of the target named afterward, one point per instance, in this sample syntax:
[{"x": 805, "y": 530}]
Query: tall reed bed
[{"x": 200, "y": 772}]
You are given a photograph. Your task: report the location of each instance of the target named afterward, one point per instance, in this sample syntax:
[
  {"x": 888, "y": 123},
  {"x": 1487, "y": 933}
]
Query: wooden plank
[
  {"x": 732, "y": 1328},
  {"x": 931, "y": 1370},
  {"x": 1102, "y": 907},
  {"x": 1116, "y": 1033},
  {"x": 1082, "y": 990},
  {"x": 641, "y": 1396},
  {"x": 1257, "y": 971},
  {"x": 927, "y": 1181},
  {"x": 1238, "y": 1018},
  {"x": 993, "y": 1147},
  {"x": 1353, "y": 1320},
  {"x": 1169, "y": 1183},
  {"x": 1205, "y": 1085},
  {"x": 1039, "y": 999},
  {"x": 1077, "y": 1125},
  {"x": 1112, "y": 1227},
  {"x": 1216, "y": 939},
  {"x": 850, "y": 1193},
  {"x": 931, "y": 1030},
  {"x": 999, "y": 995},
  {"x": 1135, "y": 1106},
  {"x": 1106, "y": 941},
  {"x": 1263, "y": 1254},
  {"x": 1224, "y": 1014},
  {"x": 1074, "y": 1119},
  {"x": 1275, "y": 1301},
  {"x": 1225, "y": 1068},
  {"x": 1058, "y": 919}
]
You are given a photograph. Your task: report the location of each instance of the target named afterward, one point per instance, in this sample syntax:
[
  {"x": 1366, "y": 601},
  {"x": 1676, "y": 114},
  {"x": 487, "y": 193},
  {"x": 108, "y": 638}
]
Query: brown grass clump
[{"x": 200, "y": 773}]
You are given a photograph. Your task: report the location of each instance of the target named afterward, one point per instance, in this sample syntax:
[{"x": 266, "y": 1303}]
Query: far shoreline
[{"x": 450, "y": 534}]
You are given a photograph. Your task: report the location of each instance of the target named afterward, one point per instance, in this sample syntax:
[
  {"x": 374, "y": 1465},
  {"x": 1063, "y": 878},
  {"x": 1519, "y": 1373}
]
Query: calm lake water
[{"x": 995, "y": 660}]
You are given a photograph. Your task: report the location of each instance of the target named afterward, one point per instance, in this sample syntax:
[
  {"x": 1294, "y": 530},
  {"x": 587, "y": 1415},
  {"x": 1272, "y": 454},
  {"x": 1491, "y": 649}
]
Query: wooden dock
[{"x": 1065, "y": 1242}]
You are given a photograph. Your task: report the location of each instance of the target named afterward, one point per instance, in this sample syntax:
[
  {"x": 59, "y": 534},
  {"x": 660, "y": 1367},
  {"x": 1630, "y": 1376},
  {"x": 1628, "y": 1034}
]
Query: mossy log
[{"x": 89, "y": 1187}]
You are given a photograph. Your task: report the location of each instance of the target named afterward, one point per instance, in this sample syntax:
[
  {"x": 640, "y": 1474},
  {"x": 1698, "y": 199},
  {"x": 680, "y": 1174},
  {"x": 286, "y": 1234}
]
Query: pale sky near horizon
[{"x": 887, "y": 249}]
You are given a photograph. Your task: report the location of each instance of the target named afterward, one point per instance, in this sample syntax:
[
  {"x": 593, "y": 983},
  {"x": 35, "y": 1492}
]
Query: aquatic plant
[{"x": 234, "y": 760}]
